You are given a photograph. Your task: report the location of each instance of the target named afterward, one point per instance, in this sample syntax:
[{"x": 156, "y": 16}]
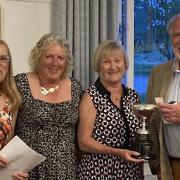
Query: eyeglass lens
[{"x": 4, "y": 58}]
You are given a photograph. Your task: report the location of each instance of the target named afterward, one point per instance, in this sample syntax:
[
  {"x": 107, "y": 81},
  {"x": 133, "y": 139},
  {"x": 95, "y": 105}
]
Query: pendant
[{"x": 45, "y": 91}]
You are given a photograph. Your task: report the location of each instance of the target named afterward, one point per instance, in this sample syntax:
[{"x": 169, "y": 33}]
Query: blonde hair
[
  {"x": 171, "y": 23},
  {"x": 8, "y": 85},
  {"x": 42, "y": 45},
  {"x": 106, "y": 48}
]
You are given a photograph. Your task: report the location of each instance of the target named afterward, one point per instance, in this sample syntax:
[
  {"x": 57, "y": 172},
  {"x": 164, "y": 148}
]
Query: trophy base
[{"x": 146, "y": 151}]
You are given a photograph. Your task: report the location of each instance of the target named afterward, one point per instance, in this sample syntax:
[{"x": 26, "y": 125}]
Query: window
[
  {"x": 143, "y": 33},
  {"x": 151, "y": 41}
]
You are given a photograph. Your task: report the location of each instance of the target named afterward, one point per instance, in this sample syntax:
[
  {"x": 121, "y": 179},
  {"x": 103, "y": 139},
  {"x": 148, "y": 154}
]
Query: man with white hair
[{"x": 164, "y": 84}]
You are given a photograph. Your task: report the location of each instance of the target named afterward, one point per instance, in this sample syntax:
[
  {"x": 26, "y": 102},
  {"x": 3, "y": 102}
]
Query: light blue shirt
[{"x": 172, "y": 131}]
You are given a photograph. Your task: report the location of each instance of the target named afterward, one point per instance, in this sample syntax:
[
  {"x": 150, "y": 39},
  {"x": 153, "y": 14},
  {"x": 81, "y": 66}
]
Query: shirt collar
[
  {"x": 102, "y": 90},
  {"x": 175, "y": 66}
]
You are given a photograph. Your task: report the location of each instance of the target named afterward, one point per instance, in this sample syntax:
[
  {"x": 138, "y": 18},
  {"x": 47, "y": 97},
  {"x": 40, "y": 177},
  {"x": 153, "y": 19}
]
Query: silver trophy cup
[{"x": 144, "y": 144}]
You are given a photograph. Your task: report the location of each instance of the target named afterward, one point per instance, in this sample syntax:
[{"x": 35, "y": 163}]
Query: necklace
[{"x": 45, "y": 91}]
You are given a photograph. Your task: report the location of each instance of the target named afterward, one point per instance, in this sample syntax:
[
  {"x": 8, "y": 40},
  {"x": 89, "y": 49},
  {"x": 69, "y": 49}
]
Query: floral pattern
[{"x": 5, "y": 122}]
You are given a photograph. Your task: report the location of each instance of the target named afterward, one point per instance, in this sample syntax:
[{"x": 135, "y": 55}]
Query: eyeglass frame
[{"x": 4, "y": 59}]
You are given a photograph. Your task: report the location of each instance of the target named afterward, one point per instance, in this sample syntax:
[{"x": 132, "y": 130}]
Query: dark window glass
[{"x": 151, "y": 42}]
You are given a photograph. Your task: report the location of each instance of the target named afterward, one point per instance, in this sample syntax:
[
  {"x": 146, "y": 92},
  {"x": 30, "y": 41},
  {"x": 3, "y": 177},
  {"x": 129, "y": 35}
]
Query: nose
[
  {"x": 55, "y": 60},
  {"x": 112, "y": 65}
]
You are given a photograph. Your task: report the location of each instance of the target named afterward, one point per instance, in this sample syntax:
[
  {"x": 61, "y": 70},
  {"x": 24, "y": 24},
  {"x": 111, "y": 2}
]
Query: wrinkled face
[
  {"x": 112, "y": 68},
  {"x": 4, "y": 62},
  {"x": 53, "y": 63},
  {"x": 175, "y": 38}
]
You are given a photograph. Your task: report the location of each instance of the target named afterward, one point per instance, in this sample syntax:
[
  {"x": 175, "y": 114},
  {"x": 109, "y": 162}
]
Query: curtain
[{"x": 85, "y": 23}]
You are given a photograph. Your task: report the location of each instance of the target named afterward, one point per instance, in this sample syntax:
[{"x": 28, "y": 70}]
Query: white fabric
[{"x": 172, "y": 131}]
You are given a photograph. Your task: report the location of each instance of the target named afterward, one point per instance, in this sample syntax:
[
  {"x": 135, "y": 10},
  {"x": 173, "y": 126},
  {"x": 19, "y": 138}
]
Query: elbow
[{"x": 82, "y": 143}]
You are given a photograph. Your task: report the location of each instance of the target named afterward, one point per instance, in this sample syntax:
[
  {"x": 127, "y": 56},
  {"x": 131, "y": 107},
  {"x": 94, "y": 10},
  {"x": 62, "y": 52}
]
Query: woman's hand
[
  {"x": 131, "y": 156},
  {"x": 3, "y": 162},
  {"x": 20, "y": 176},
  {"x": 15, "y": 176}
]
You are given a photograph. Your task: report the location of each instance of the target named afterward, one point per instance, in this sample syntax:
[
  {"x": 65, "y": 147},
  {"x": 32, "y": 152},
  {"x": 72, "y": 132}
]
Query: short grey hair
[{"x": 171, "y": 22}]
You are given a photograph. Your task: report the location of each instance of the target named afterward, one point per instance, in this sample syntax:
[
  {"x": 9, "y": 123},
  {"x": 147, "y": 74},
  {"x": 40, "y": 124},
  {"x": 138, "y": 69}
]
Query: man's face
[{"x": 175, "y": 38}]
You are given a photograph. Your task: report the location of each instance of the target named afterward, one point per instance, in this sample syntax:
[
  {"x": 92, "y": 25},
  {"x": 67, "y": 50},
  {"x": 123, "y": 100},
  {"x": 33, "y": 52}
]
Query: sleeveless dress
[
  {"x": 50, "y": 129},
  {"x": 116, "y": 128},
  {"x": 5, "y": 122}
]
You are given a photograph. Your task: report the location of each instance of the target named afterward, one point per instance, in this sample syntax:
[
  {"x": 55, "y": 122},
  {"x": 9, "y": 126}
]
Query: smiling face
[
  {"x": 53, "y": 63},
  {"x": 4, "y": 62},
  {"x": 175, "y": 38},
  {"x": 112, "y": 68}
]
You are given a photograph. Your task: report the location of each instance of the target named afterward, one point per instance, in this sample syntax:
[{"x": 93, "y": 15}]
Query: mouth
[{"x": 54, "y": 69}]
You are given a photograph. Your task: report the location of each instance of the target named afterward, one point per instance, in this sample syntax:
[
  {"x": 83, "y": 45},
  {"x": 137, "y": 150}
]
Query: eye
[
  {"x": 105, "y": 61},
  {"x": 177, "y": 34},
  {"x": 61, "y": 58},
  {"x": 4, "y": 58},
  {"x": 49, "y": 57},
  {"x": 117, "y": 60}
]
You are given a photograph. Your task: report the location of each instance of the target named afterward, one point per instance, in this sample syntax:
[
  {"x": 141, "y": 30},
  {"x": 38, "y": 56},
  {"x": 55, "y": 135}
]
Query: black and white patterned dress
[
  {"x": 49, "y": 129},
  {"x": 116, "y": 128}
]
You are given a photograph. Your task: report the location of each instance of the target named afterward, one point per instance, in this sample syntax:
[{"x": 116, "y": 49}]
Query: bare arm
[{"x": 87, "y": 116}]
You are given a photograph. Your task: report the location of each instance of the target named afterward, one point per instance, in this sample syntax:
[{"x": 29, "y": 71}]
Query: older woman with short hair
[{"x": 107, "y": 126}]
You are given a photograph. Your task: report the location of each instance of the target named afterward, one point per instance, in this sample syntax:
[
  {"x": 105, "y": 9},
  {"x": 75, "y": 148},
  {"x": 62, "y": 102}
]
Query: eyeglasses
[{"x": 4, "y": 59}]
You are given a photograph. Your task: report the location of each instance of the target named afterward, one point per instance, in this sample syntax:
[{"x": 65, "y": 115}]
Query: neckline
[
  {"x": 47, "y": 102},
  {"x": 45, "y": 91},
  {"x": 104, "y": 91}
]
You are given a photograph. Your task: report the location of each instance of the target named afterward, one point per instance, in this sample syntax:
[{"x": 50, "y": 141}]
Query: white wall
[{"x": 23, "y": 22}]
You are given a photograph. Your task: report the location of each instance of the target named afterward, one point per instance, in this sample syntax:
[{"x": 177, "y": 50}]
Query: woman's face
[
  {"x": 112, "y": 68},
  {"x": 53, "y": 63},
  {"x": 4, "y": 62}
]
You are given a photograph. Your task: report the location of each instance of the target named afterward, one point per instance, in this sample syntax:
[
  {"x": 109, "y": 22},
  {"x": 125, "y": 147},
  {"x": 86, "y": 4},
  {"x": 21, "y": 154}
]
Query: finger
[
  {"x": 14, "y": 177},
  {"x": 20, "y": 176},
  {"x": 136, "y": 160},
  {"x": 3, "y": 161},
  {"x": 135, "y": 153}
]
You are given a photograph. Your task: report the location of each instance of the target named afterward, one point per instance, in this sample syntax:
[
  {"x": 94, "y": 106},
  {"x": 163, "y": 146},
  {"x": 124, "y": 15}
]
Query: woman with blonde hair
[
  {"x": 48, "y": 116},
  {"x": 107, "y": 124},
  {"x": 10, "y": 101}
]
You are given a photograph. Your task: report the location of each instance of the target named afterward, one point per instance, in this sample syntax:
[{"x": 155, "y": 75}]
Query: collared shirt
[
  {"x": 108, "y": 112},
  {"x": 114, "y": 127},
  {"x": 172, "y": 131}
]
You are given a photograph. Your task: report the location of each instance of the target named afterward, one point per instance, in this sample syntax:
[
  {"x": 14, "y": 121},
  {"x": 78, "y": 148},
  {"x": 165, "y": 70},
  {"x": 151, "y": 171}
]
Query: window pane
[{"x": 151, "y": 42}]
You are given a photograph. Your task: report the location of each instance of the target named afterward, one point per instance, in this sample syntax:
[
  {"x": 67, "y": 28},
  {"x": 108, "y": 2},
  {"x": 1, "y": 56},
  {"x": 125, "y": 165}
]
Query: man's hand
[{"x": 170, "y": 112}]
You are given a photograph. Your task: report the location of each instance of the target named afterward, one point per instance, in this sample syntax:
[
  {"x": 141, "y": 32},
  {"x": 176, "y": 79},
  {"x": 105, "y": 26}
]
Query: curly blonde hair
[{"x": 42, "y": 45}]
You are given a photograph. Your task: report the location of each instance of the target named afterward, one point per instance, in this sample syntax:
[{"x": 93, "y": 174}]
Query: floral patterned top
[{"x": 5, "y": 122}]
